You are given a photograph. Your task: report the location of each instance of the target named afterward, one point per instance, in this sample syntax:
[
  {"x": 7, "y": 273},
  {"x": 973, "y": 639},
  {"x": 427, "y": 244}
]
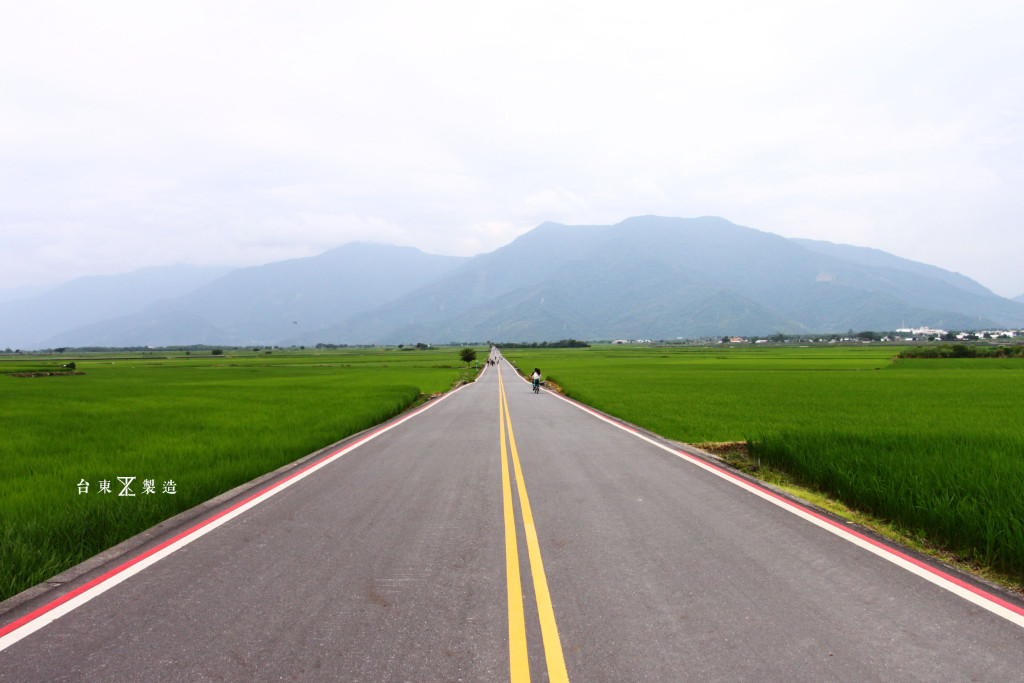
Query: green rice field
[
  {"x": 935, "y": 446},
  {"x": 187, "y": 428}
]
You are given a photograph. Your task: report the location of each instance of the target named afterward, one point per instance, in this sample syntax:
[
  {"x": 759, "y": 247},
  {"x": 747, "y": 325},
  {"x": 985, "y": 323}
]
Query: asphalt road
[{"x": 497, "y": 534}]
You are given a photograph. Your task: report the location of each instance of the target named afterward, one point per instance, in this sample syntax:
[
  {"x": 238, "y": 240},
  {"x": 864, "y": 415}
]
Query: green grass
[
  {"x": 206, "y": 423},
  {"x": 933, "y": 446},
  {"x": 31, "y": 365}
]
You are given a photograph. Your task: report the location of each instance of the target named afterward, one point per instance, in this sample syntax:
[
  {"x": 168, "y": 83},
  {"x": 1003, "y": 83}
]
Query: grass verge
[{"x": 736, "y": 454}]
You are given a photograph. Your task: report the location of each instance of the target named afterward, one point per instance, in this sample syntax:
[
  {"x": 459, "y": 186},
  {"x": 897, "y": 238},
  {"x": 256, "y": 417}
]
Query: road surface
[{"x": 496, "y": 534}]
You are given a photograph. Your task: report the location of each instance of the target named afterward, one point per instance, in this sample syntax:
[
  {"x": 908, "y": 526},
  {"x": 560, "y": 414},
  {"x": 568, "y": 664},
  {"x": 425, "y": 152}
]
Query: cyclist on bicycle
[{"x": 536, "y": 380}]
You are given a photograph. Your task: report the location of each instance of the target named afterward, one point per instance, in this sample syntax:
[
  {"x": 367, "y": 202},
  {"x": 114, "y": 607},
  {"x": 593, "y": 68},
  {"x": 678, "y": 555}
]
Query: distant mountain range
[
  {"x": 646, "y": 277},
  {"x": 29, "y": 322}
]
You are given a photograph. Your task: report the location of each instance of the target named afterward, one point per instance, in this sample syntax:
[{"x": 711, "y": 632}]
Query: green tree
[{"x": 467, "y": 355}]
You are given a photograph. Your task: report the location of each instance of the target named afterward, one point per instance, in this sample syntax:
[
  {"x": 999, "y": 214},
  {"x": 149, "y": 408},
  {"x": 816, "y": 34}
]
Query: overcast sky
[{"x": 135, "y": 134}]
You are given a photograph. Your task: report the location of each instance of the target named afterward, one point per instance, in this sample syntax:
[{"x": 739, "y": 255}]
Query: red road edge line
[
  {"x": 32, "y": 616},
  {"x": 807, "y": 511},
  {"x": 887, "y": 548}
]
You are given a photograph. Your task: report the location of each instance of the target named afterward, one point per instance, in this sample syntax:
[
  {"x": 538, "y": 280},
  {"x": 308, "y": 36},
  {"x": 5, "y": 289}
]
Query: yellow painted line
[
  {"x": 519, "y": 662},
  {"x": 548, "y": 627}
]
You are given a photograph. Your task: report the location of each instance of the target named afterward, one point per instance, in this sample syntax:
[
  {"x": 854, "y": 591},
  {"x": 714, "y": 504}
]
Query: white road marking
[{"x": 990, "y": 602}]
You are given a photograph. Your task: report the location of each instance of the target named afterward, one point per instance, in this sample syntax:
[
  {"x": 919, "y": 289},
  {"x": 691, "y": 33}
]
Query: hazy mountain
[
  {"x": 264, "y": 304},
  {"x": 655, "y": 277},
  {"x": 1019, "y": 298},
  {"x": 876, "y": 257},
  {"x": 646, "y": 277},
  {"x": 531, "y": 257},
  {"x": 19, "y": 293},
  {"x": 27, "y": 322}
]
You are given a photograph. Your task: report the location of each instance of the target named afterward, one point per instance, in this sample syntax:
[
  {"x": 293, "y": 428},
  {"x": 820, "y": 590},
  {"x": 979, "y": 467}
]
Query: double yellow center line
[{"x": 519, "y": 665}]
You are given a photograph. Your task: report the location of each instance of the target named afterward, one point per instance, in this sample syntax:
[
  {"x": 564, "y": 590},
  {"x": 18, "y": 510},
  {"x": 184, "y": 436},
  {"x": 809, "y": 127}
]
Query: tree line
[{"x": 560, "y": 344}]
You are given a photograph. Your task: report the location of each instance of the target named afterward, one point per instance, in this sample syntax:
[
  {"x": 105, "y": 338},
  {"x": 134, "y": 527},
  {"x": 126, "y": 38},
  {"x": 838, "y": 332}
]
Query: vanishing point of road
[{"x": 494, "y": 534}]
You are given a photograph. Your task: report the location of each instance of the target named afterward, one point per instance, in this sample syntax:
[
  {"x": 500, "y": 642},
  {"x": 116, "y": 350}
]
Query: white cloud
[{"x": 269, "y": 128}]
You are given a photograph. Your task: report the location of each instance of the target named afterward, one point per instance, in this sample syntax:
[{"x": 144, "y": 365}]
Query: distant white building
[{"x": 922, "y": 331}]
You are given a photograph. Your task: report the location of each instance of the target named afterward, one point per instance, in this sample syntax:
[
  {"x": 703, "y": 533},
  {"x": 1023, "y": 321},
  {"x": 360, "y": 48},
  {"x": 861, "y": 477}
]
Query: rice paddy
[
  {"x": 185, "y": 428},
  {"x": 934, "y": 446}
]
